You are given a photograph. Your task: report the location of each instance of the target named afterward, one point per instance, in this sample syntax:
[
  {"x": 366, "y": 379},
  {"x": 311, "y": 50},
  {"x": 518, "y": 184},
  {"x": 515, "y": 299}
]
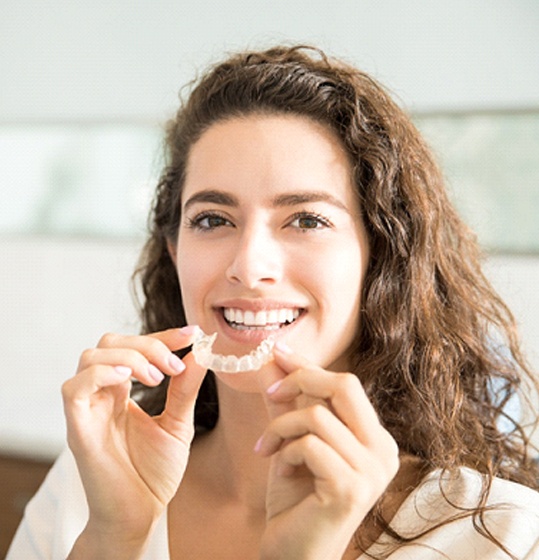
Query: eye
[
  {"x": 207, "y": 221},
  {"x": 309, "y": 220}
]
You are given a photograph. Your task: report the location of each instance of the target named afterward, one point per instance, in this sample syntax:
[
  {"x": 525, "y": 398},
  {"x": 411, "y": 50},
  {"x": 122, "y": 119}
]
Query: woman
[{"x": 298, "y": 205}]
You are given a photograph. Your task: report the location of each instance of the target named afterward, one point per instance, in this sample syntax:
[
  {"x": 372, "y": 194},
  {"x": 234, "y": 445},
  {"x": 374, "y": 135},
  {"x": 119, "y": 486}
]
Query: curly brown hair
[{"x": 436, "y": 348}]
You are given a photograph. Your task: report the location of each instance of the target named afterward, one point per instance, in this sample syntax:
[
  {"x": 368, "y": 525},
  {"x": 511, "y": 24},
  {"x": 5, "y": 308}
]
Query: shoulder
[
  {"x": 464, "y": 487},
  {"x": 437, "y": 517}
]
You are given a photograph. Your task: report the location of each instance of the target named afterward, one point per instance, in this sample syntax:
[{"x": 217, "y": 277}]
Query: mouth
[{"x": 261, "y": 320}]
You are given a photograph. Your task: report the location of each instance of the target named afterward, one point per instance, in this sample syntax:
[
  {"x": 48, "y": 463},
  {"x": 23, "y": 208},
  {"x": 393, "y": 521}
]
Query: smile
[{"x": 270, "y": 319}]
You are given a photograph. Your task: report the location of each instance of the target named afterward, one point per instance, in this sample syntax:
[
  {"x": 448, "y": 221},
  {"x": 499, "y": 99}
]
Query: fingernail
[
  {"x": 175, "y": 363},
  {"x": 258, "y": 445},
  {"x": 188, "y": 330},
  {"x": 273, "y": 388},
  {"x": 155, "y": 374},
  {"x": 123, "y": 371},
  {"x": 283, "y": 347}
]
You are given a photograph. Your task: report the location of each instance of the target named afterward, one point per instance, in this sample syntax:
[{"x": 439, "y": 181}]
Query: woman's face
[{"x": 271, "y": 242}]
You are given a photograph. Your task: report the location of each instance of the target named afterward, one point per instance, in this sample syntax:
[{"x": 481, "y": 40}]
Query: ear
[{"x": 171, "y": 248}]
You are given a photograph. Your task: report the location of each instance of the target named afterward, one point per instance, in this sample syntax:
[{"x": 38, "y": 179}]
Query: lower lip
[{"x": 252, "y": 337}]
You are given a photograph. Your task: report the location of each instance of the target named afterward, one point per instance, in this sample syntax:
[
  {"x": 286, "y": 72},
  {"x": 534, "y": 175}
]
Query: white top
[{"x": 58, "y": 512}]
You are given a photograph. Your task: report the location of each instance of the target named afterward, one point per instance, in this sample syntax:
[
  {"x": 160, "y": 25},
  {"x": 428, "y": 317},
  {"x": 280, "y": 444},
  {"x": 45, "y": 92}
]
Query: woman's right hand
[{"x": 130, "y": 464}]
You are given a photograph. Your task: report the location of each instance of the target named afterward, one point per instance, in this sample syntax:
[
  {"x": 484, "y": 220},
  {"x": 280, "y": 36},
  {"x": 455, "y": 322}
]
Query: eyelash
[
  {"x": 196, "y": 222},
  {"x": 318, "y": 218}
]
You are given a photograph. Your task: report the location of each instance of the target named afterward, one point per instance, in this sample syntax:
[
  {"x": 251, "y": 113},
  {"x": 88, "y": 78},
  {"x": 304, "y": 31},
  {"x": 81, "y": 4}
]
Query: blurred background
[{"x": 86, "y": 88}]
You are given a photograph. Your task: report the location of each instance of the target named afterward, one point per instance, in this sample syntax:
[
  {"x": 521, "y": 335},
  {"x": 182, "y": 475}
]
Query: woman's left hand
[{"x": 331, "y": 460}]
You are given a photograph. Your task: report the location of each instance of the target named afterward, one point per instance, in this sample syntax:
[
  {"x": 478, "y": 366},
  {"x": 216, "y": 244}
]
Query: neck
[{"x": 227, "y": 452}]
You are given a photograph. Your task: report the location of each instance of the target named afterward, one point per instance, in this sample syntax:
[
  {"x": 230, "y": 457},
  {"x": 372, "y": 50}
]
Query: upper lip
[{"x": 257, "y": 304}]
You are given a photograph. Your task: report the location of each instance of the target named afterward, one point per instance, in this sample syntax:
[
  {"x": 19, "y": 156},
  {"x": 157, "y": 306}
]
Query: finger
[
  {"x": 343, "y": 391},
  {"x": 139, "y": 365},
  {"x": 177, "y": 416},
  {"x": 93, "y": 396},
  {"x": 336, "y": 482},
  {"x": 92, "y": 380},
  {"x": 270, "y": 375},
  {"x": 288, "y": 360},
  {"x": 176, "y": 338},
  {"x": 316, "y": 420},
  {"x": 157, "y": 348},
  {"x": 291, "y": 363},
  {"x": 321, "y": 460}
]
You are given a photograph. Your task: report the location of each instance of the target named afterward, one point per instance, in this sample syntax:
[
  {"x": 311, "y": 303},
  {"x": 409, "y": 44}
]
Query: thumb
[{"x": 177, "y": 417}]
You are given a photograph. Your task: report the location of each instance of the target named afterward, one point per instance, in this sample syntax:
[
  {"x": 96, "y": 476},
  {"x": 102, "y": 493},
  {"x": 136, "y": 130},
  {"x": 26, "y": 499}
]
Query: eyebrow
[
  {"x": 212, "y": 196},
  {"x": 287, "y": 199},
  {"x": 303, "y": 197}
]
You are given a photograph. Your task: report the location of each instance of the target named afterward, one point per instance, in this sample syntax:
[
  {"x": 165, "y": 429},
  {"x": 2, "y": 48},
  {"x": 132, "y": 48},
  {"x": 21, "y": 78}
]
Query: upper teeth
[{"x": 260, "y": 318}]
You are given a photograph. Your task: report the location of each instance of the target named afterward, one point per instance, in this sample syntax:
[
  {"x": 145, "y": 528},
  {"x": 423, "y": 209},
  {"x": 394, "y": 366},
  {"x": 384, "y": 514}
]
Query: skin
[
  {"x": 298, "y": 456},
  {"x": 269, "y": 246}
]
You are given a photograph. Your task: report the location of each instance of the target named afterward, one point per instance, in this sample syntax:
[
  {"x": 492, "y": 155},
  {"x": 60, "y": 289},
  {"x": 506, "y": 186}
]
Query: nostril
[{"x": 256, "y": 260}]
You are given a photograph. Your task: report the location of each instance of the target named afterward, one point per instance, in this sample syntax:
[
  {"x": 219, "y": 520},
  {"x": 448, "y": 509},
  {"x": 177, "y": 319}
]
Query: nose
[{"x": 256, "y": 259}]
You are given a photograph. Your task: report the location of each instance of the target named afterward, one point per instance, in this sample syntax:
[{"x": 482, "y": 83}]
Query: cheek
[
  {"x": 337, "y": 270},
  {"x": 192, "y": 275},
  {"x": 201, "y": 270},
  {"x": 346, "y": 296},
  {"x": 187, "y": 288},
  {"x": 339, "y": 280}
]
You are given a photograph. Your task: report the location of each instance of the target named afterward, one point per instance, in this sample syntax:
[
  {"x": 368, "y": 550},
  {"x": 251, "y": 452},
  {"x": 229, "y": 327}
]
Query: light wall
[{"x": 125, "y": 59}]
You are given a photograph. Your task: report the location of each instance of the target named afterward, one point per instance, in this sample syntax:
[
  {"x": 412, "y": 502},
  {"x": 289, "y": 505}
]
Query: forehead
[{"x": 262, "y": 154}]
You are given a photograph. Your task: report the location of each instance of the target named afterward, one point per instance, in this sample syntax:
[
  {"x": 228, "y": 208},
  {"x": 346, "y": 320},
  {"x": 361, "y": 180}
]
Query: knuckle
[
  {"x": 107, "y": 340},
  {"x": 67, "y": 389},
  {"x": 395, "y": 466},
  {"x": 348, "y": 495},
  {"x": 309, "y": 442},
  {"x": 86, "y": 357},
  {"x": 154, "y": 345},
  {"x": 351, "y": 495},
  {"x": 317, "y": 413},
  {"x": 390, "y": 444},
  {"x": 349, "y": 383},
  {"x": 389, "y": 454},
  {"x": 394, "y": 460}
]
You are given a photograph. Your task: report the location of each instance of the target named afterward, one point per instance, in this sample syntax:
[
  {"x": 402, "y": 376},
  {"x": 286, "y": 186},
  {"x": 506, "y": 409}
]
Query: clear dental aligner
[{"x": 204, "y": 357}]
